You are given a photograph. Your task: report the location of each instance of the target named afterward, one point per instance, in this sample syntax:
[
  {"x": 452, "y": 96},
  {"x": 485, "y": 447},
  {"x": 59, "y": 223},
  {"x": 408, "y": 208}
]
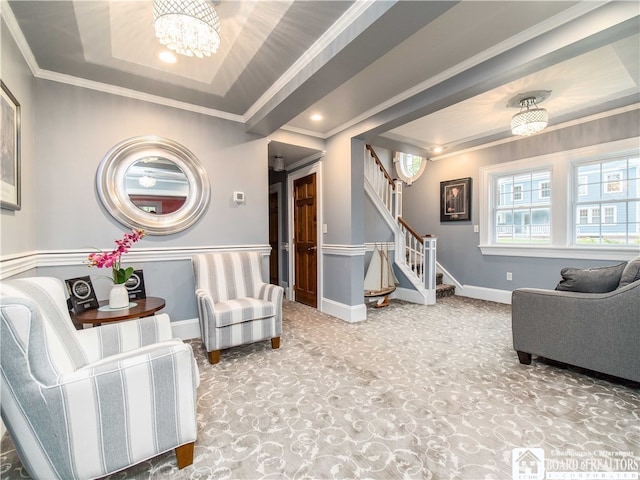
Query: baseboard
[
  {"x": 409, "y": 295},
  {"x": 186, "y": 329},
  {"x": 482, "y": 293},
  {"x": 348, "y": 313}
]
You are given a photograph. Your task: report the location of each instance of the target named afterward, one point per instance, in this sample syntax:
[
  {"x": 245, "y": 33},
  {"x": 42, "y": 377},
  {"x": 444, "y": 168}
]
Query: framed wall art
[
  {"x": 9, "y": 149},
  {"x": 455, "y": 200}
]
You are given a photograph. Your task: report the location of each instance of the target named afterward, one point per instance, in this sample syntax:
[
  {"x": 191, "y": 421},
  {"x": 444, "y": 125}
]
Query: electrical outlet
[{"x": 509, "y": 276}]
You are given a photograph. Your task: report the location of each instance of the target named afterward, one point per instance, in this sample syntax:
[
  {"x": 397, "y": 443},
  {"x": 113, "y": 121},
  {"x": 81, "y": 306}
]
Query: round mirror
[{"x": 153, "y": 183}]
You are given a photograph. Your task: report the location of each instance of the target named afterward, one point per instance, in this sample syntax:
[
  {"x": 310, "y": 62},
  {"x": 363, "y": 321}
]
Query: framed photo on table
[
  {"x": 82, "y": 296},
  {"x": 9, "y": 149},
  {"x": 455, "y": 200},
  {"x": 135, "y": 285}
]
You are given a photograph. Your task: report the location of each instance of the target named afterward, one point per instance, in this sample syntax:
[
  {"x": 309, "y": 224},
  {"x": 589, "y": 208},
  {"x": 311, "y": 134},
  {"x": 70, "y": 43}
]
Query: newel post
[
  {"x": 397, "y": 201},
  {"x": 430, "y": 268}
]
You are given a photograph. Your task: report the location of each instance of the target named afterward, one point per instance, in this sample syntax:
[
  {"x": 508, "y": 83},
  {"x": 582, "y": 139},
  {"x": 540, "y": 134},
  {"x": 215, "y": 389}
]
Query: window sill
[{"x": 578, "y": 252}]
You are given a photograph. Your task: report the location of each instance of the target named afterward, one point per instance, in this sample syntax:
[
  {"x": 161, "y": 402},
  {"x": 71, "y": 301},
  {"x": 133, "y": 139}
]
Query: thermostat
[{"x": 238, "y": 197}]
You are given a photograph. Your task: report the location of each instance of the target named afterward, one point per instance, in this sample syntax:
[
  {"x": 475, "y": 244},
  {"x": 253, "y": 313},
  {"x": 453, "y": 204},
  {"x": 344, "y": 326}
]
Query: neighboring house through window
[{"x": 564, "y": 202}]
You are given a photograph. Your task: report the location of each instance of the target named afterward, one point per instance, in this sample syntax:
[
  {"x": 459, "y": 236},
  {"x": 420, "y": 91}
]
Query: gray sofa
[{"x": 596, "y": 331}]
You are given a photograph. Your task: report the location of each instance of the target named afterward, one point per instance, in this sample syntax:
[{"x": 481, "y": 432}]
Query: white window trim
[
  {"x": 397, "y": 163},
  {"x": 561, "y": 165}
]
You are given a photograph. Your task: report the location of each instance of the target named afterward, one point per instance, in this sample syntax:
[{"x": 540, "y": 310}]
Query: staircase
[
  {"x": 442, "y": 289},
  {"x": 415, "y": 255}
]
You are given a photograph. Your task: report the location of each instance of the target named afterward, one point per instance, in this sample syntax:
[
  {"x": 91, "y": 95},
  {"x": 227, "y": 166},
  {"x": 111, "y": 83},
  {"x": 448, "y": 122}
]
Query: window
[
  {"x": 614, "y": 203},
  {"x": 545, "y": 189},
  {"x": 609, "y": 214},
  {"x": 583, "y": 187},
  {"x": 582, "y": 203},
  {"x": 517, "y": 193},
  {"x": 583, "y": 215},
  {"x": 613, "y": 183},
  {"x": 409, "y": 167},
  {"x": 522, "y": 214}
]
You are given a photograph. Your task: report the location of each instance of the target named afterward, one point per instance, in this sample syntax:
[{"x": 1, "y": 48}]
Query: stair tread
[{"x": 445, "y": 290}]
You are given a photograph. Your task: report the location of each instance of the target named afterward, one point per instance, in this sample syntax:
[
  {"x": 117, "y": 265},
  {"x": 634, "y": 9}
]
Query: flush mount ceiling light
[
  {"x": 188, "y": 27},
  {"x": 530, "y": 119},
  {"x": 278, "y": 163}
]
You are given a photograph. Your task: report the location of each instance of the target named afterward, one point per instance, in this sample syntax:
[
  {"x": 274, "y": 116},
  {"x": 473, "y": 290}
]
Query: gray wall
[
  {"x": 17, "y": 228},
  {"x": 458, "y": 250},
  {"x": 75, "y": 129}
]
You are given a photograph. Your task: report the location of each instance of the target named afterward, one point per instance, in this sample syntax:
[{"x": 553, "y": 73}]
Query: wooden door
[
  {"x": 305, "y": 240},
  {"x": 273, "y": 239}
]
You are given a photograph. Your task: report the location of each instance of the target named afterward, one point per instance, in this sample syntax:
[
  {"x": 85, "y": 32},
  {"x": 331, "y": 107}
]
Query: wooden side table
[{"x": 144, "y": 307}]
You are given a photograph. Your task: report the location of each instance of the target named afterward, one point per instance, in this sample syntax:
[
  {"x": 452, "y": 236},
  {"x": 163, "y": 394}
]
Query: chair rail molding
[
  {"x": 344, "y": 250},
  {"x": 15, "y": 264}
]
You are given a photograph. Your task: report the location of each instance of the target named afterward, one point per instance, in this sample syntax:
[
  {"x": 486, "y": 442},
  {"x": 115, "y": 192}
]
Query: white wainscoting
[{"x": 11, "y": 265}]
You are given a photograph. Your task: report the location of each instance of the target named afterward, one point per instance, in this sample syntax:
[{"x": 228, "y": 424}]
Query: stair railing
[
  {"x": 416, "y": 253},
  {"x": 412, "y": 252},
  {"x": 379, "y": 179}
]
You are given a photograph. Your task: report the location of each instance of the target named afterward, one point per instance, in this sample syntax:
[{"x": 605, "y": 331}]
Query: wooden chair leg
[
  {"x": 275, "y": 342},
  {"x": 214, "y": 356},
  {"x": 184, "y": 455}
]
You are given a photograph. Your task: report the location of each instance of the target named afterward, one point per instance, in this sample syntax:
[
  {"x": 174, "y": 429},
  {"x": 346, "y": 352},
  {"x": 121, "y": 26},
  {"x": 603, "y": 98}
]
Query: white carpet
[{"x": 420, "y": 392}]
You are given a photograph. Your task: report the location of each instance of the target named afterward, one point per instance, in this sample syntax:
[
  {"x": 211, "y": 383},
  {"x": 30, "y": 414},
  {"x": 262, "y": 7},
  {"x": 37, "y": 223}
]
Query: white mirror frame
[{"x": 110, "y": 183}]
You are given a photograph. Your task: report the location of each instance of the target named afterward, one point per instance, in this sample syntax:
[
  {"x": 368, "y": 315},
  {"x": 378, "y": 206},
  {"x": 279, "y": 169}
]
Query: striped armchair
[
  {"x": 84, "y": 404},
  {"x": 235, "y": 305}
]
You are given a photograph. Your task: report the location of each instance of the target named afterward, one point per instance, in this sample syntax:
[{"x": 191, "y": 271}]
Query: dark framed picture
[
  {"x": 9, "y": 149},
  {"x": 455, "y": 200},
  {"x": 82, "y": 296},
  {"x": 135, "y": 285}
]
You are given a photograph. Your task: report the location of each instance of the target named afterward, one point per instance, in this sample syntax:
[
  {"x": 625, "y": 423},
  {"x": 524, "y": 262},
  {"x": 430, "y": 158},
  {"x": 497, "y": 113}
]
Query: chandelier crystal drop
[
  {"x": 529, "y": 121},
  {"x": 188, "y": 27}
]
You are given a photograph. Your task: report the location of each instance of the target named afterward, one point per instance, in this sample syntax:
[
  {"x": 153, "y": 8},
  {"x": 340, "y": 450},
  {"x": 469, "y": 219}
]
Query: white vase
[{"x": 118, "y": 296}]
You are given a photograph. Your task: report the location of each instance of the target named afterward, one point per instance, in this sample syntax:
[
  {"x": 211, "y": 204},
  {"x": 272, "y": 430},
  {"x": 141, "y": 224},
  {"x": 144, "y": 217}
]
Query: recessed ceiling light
[
  {"x": 316, "y": 117},
  {"x": 167, "y": 57},
  {"x": 437, "y": 149}
]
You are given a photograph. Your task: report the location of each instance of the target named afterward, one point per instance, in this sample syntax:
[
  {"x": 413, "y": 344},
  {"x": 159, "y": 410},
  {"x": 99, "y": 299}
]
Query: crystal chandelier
[
  {"x": 188, "y": 27},
  {"x": 529, "y": 121},
  {"x": 147, "y": 180}
]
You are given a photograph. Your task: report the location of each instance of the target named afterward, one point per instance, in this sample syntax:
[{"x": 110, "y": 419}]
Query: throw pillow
[
  {"x": 631, "y": 273},
  {"x": 591, "y": 280}
]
